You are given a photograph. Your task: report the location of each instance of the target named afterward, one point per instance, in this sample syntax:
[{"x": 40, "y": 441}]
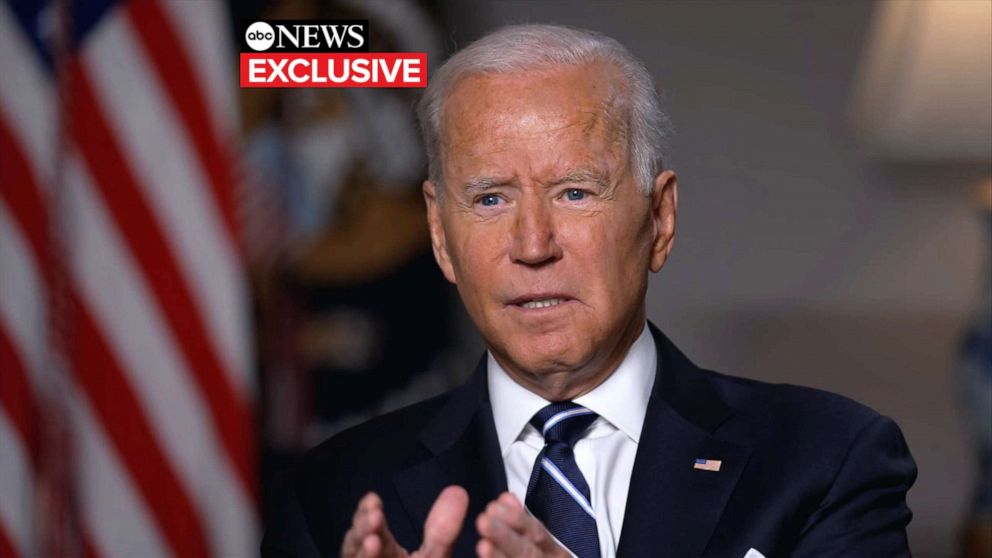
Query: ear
[
  {"x": 664, "y": 204},
  {"x": 438, "y": 241}
]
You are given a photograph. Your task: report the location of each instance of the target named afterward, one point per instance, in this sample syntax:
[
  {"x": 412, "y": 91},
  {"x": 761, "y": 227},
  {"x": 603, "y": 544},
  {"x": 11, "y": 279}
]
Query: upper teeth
[{"x": 543, "y": 303}]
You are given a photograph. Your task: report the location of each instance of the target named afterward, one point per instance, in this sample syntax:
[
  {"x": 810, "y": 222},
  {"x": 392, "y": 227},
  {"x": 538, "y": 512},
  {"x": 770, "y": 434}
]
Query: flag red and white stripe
[{"x": 123, "y": 304}]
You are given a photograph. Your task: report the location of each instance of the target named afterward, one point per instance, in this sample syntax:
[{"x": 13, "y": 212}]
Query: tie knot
[{"x": 563, "y": 422}]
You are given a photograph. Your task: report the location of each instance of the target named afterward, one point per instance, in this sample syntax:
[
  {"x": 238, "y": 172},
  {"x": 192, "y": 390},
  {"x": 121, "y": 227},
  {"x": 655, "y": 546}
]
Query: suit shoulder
[
  {"x": 791, "y": 404},
  {"x": 327, "y": 482},
  {"x": 384, "y": 442},
  {"x": 832, "y": 471},
  {"x": 802, "y": 431}
]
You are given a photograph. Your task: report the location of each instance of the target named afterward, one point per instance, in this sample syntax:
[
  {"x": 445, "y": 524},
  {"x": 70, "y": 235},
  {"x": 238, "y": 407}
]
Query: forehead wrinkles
[
  {"x": 549, "y": 155},
  {"x": 537, "y": 106}
]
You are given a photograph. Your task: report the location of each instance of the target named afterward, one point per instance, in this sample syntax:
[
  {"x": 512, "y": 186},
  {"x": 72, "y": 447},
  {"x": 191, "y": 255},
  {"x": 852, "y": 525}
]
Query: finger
[
  {"x": 444, "y": 522},
  {"x": 501, "y": 535},
  {"x": 509, "y": 509},
  {"x": 512, "y": 511},
  {"x": 369, "y": 536},
  {"x": 380, "y": 528},
  {"x": 485, "y": 549},
  {"x": 371, "y": 546},
  {"x": 361, "y": 524}
]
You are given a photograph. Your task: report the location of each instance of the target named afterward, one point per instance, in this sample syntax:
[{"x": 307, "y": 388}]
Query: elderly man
[{"x": 584, "y": 431}]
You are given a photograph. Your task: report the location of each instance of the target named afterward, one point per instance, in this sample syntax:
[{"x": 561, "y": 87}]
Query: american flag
[
  {"x": 707, "y": 464},
  {"x": 126, "y": 386}
]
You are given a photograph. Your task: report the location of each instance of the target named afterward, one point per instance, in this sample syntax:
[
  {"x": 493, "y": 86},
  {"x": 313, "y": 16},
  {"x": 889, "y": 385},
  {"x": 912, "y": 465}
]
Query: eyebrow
[
  {"x": 483, "y": 183},
  {"x": 582, "y": 175}
]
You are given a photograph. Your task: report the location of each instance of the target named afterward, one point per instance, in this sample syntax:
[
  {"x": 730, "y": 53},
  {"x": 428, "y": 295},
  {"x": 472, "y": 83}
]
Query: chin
[
  {"x": 559, "y": 347},
  {"x": 539, "y": 358}
]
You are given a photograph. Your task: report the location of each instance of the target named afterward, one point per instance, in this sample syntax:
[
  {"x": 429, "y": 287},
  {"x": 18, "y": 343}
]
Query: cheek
[
  {"x": 591, "y": 254},
  {"x": 476, "y": 256},
  {"x": 610, "y": 255}
]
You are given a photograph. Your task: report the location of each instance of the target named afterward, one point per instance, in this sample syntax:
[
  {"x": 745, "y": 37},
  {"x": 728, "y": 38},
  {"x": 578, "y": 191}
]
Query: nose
[{"x": 534, "y": 241}]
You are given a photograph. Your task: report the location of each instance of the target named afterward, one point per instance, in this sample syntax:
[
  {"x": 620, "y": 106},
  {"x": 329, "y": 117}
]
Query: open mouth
[{"x": 541, "y": 303}]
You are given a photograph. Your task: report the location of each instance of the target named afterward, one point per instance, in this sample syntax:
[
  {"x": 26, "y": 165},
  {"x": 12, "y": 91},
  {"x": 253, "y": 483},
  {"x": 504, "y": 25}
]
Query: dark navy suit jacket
[{"x": 803, "y": 473}]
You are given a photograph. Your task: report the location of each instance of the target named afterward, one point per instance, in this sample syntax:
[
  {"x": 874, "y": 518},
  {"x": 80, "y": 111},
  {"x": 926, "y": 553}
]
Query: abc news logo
[
  {"x": 322, "y": 53},
  {"x": 305, "y": 36}
]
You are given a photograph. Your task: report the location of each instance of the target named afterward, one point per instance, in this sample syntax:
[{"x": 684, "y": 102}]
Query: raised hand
[
  {"x": 369, "y": 536},
  {"x": 508, "y": 531}
]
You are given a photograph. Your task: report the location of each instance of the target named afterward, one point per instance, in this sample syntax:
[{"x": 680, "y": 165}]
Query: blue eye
[
  {"x": 489, "y": 200},
  {"x": 575, "y": 194}
]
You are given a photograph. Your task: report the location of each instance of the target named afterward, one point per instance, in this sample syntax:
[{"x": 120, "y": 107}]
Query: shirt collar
[{"x": 622, "y": 399}]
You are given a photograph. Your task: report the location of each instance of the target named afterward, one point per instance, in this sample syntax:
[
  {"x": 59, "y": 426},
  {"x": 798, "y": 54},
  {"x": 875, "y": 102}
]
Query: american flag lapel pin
[{"x": 707, "y": 464}]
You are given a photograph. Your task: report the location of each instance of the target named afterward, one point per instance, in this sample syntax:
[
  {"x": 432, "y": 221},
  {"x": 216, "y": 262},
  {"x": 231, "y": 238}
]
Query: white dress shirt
[{"x": 605, "y": 455}]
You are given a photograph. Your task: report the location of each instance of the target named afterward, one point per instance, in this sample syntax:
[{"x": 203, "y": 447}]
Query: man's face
[{"x": 542, "y": 226}]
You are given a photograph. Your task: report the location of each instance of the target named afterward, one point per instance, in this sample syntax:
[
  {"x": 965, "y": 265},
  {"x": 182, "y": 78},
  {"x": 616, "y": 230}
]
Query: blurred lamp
[{"x": 923, "y": 92}]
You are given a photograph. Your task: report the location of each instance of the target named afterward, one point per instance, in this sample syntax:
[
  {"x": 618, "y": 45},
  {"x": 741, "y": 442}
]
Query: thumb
[{"x": 444, "y": 522}]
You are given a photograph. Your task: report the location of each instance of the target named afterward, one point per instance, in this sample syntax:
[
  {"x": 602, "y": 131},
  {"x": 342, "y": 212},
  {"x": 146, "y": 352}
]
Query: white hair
[{"x": 520, "y": 48}]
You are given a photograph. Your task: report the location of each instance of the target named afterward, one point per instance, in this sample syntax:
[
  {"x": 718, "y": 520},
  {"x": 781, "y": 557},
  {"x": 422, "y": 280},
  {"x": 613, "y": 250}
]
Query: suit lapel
[
  {"x": 672, "y": 505},
  {"x": 463, "y": 442}
]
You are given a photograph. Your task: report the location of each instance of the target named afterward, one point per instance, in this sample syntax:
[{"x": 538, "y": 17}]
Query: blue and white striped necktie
[{"x": 558, "y": 494}]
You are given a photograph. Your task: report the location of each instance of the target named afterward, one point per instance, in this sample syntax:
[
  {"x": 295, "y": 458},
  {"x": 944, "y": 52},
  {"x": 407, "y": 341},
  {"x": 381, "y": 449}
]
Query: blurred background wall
[{"x": 806, "y": 252}]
